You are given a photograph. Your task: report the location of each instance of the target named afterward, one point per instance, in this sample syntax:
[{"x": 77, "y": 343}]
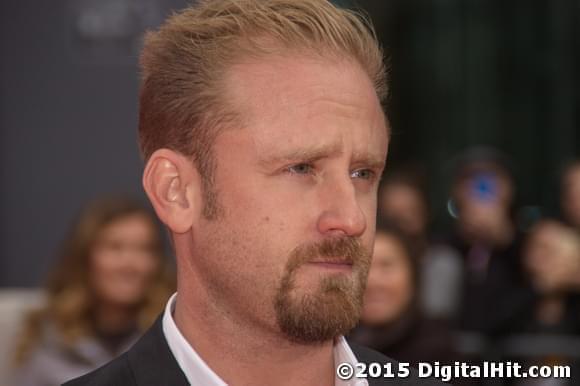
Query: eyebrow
[
  {"x": 314, "y": 153},
  {"x": 369, "y": 160},
  {"x": 305, "y": 154}
]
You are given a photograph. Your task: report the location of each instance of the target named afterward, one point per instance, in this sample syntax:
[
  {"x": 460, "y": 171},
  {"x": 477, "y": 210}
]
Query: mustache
[{"x": 346, "y": 250}]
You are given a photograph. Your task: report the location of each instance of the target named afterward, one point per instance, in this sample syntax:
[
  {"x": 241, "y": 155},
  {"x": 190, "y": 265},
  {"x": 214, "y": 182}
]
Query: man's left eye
[
  {"x": 365, "y": 174},
  {"x": 301, "y": 168}
]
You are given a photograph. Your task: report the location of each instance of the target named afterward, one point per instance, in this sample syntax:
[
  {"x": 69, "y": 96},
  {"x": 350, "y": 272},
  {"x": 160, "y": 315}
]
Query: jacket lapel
[
  {"x": 152, "y": 362},
  {"x": 367, "y": 356}
]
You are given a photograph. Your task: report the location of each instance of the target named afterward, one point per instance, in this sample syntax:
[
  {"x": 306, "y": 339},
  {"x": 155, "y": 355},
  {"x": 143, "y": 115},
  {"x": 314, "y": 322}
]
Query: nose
[{"x": 341, "y": 214}]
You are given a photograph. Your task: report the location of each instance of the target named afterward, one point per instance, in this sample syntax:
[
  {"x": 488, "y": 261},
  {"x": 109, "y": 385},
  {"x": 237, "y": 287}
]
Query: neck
[{"x": 242, "y": 354}]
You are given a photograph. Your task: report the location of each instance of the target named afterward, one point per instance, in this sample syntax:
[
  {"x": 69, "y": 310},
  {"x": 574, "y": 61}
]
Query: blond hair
[{"x": 182, "y": 104}]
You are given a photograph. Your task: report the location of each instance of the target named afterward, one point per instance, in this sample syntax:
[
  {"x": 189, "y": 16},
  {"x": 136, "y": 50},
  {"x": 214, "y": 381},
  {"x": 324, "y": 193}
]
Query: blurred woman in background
[
  {"x": 551, "y": 321},
  {"x": 110, "y": 284},
  {"x": 403, "y": 203},
  {"x": 391, "y": 320},
  {"x": 570, "y": 194},
  {"x": 552, "y": 260}
]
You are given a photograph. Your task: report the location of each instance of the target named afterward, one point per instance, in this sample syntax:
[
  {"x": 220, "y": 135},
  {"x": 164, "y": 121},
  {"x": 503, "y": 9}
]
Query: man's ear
[{"x": 173, "y": 185}]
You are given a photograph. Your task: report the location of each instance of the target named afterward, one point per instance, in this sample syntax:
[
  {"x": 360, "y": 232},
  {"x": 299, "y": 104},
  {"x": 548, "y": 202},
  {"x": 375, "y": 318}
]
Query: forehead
[
  {"x": 129, "y": 224},
  {"x": 400, "y": 192},
  {"x": 289, "y": 96}
]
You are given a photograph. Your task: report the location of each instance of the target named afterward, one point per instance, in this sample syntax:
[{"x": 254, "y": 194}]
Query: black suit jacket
[{"x": 150, "y": 363}]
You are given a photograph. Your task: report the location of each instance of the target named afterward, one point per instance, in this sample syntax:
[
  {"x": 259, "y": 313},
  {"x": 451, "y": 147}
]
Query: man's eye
[
  {"x": 302, "y": 168},
  {"x": 365, "y": 174}
]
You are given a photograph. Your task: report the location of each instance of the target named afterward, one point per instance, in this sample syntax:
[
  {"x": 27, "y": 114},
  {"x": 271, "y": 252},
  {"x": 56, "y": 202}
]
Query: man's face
[{"x": 297, "y": 186}]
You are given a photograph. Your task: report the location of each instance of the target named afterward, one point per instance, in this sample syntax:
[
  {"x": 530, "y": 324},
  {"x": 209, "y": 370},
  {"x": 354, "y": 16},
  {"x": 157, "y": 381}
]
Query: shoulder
[
  {"x": 409, "y": 376},
  {"x": 51, "y": 362},
  {"x": 115, "y": 373},
  {"x": 149, "y": 362}
]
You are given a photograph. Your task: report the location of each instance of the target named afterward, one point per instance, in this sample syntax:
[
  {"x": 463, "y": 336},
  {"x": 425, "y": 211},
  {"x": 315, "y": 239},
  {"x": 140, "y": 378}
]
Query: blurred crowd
[
  {"x": 487, "y": 290},
  {"x": 490, "y": 289}
]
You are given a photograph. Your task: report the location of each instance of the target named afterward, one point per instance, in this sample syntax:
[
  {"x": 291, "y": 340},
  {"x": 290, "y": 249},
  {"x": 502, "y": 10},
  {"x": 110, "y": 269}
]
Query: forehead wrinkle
[
  {"x": 342, "y": 107},
  {"x": 259, "y": 93},
  {"x": 305, "y": 153}
]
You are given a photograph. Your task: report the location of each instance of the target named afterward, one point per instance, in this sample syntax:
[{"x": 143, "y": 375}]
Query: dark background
[{"x": 502, "y": 73}]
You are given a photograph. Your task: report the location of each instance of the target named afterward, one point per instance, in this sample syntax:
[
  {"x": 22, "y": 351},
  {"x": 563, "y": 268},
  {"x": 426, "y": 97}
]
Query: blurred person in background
[
  {"x": 403, "y": 202},
  {"x": 570, "y": 194},
  {"x": 551, "y": 258},
  {"x": 392, "y": 321},
  {"x": 488, "y": 241},
  {"x": 109, "y": 285}
]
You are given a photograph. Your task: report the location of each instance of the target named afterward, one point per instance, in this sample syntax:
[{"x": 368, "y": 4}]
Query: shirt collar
[
  {"x": 198, "y": 372},
  {"x": 195, "y": 369},
  {"x": 343, "y": 353}
]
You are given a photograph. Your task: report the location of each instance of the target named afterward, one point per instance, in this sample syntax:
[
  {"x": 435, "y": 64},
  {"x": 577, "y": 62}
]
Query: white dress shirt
[{"x": 198, "y": 373}]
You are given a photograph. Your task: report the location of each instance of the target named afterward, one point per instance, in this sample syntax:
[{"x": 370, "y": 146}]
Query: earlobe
[{"x": 172, "y": 185}]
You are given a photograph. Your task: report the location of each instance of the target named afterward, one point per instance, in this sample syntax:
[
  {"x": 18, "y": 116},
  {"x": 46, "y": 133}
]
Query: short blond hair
[{"x": 182, "y": 104}]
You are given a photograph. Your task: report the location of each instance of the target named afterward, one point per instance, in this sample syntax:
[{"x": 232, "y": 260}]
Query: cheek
[
  {"x": 368, "y": 204},
  {"x": 147, "y": 265},
  {"x": 261, "y": 219},
  {"x": 398, "y": 289},
  {"x": 103, "y": 263},
  {"x": 239, "y": 252},
  {"x": 368, "y": 237},
  {"x": 407, "y": 291}
]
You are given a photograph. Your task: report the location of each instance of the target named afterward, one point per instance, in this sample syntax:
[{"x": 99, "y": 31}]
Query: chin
[
  {"x": 373, "y": 318},
  {"x": 124, "y": 299}
]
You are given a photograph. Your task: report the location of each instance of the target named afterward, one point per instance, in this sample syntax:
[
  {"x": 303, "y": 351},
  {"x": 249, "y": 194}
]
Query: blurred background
[
  {"x": 463, "y": 73},
  {"x": 484, "y": 111}
]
